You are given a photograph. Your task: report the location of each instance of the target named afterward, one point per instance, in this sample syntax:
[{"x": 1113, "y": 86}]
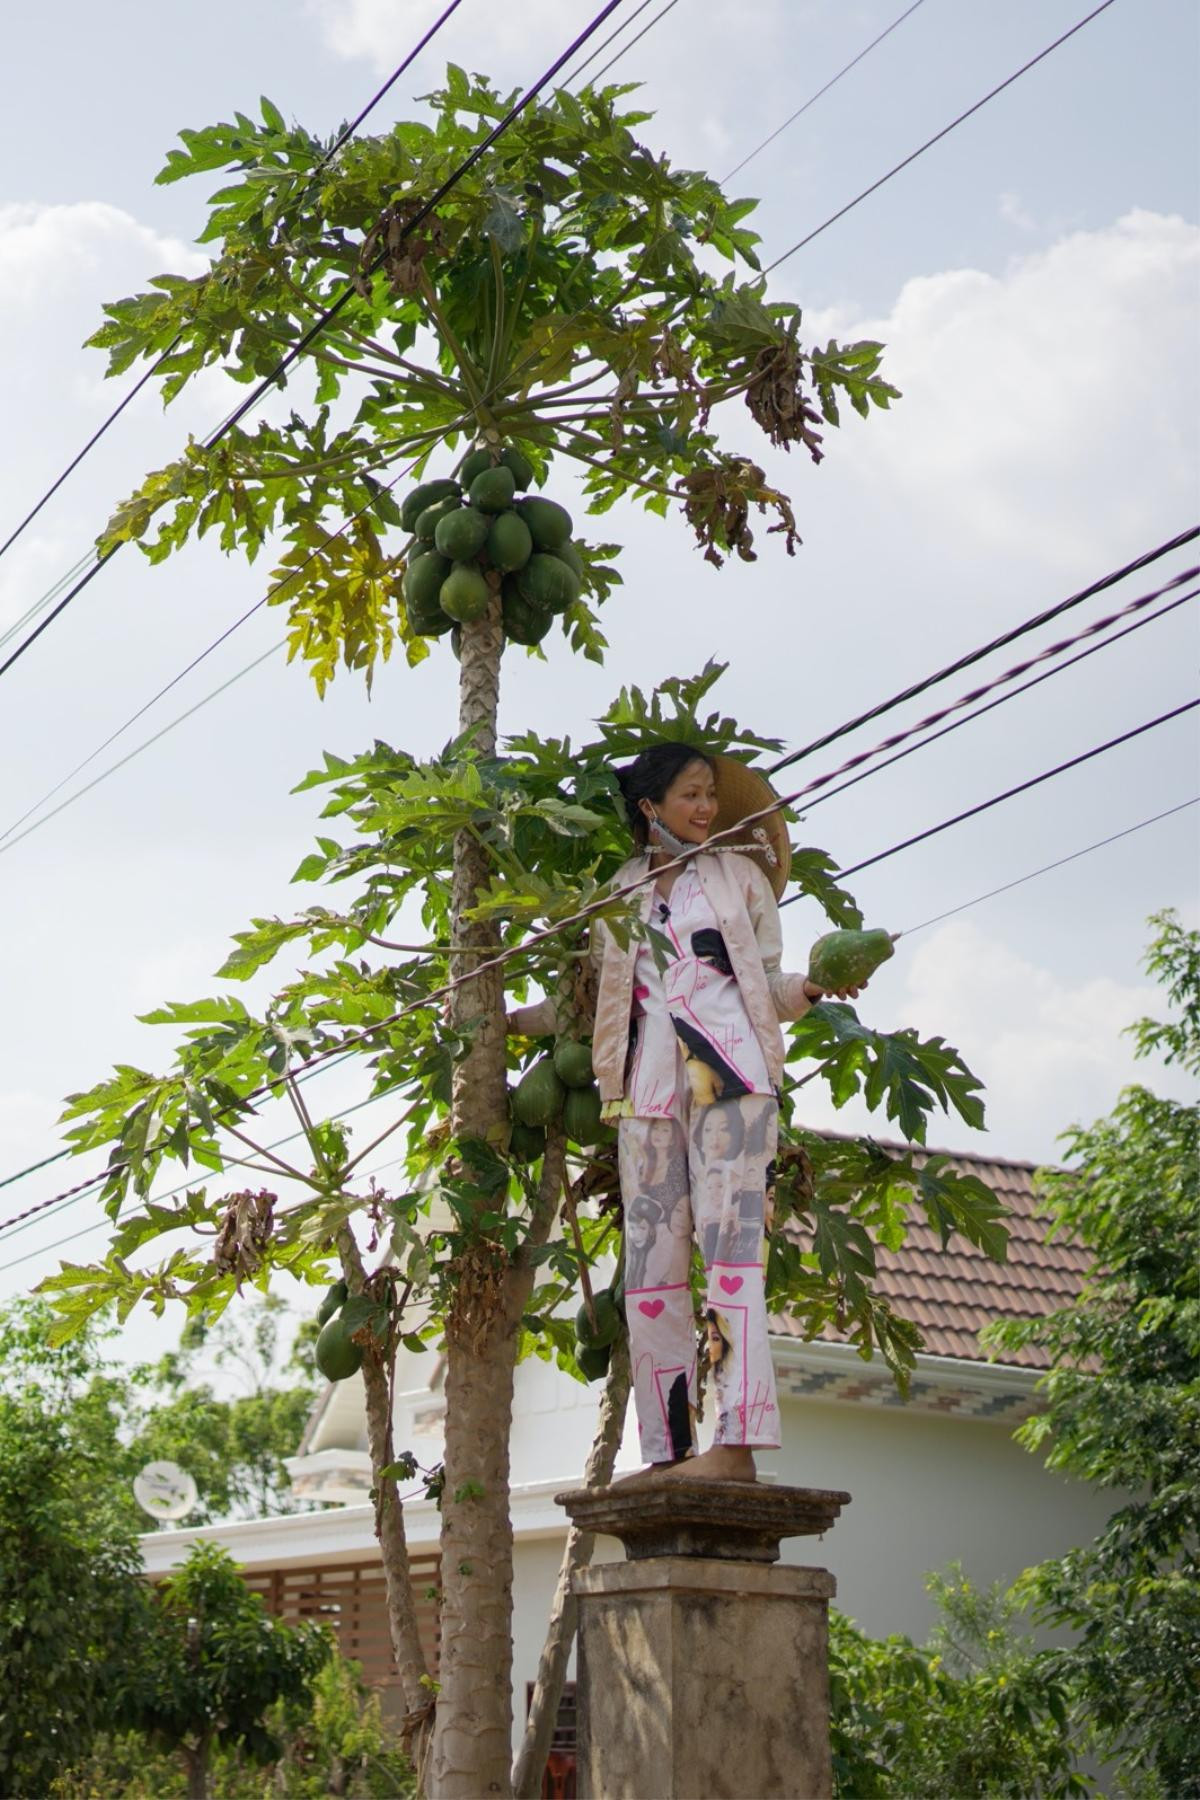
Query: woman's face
[
  {"x": 689, "y": 805},
  {"x": 639, "y": 1232},
  {"x": 716, "y": 1343},
  {"x": 662, "y": 1133},
  {"x": 716, "y": 1139}
]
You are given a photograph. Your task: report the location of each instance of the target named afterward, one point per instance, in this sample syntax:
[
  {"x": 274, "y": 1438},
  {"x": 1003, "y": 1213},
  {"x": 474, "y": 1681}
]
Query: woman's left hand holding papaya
[{"x": 814, "y": 993}]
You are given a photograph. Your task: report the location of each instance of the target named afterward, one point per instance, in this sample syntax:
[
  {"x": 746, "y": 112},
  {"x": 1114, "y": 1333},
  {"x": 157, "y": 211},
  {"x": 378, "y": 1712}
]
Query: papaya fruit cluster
[
  {"x": 557, "y": 1088},
  {"x": 338, "y": 1356},
  {"x": 473, "y": 534},
  {"x": 594, "y": 1340}
]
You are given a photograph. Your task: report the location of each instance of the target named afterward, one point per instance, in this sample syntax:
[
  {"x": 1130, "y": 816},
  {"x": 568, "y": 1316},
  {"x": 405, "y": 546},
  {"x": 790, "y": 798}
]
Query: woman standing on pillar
[{"x": 687, "y": 1035}]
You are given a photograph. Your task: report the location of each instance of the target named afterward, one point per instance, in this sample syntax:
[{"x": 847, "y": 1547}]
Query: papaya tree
[{"x": 564, "y": 306}]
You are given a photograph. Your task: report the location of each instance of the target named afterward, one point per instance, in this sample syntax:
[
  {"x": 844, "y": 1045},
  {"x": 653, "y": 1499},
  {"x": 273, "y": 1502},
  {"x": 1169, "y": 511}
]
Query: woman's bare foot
[
  {"x": 724, "y": 1462},
  {"x": 649, "y": 1473}
]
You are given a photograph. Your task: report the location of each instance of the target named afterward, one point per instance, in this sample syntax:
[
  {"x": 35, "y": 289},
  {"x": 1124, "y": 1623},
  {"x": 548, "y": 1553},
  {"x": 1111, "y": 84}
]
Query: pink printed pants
[{"x": 706, "y": 1176}]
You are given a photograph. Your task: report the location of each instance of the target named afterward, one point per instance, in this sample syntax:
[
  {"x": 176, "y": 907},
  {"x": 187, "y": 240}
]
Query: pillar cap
[{"x": 734, "y": 1521}]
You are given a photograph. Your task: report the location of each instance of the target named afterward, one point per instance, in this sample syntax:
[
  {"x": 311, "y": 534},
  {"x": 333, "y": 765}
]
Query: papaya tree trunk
[
  {"x": 530, "y": 1765},
  {"x": 389, "y": 1514},
  {"x": 471, "y": 1754}
]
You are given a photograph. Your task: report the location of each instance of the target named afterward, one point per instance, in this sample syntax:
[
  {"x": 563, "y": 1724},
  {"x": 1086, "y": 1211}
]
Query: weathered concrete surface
[
  {"x": 735, "y": 1520},
  {"x": 703, "y": 1679}
]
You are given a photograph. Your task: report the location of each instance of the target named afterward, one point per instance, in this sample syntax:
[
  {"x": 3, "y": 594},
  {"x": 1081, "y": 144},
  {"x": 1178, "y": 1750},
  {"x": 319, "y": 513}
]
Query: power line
[
  {"x": 601, "y": 47},
  {"x": 215, "y": 644},
  {"x": 23, "y": 1221},
  {"x": 1009, "y": 675},
  {"x": 996, "y": 643},
  {"x": 324, "y": 318},
  {"x": 1047, "y": 867},
  {"x": 13, "y": 837},
  {"x": 813, "y": 98},
  {"x": 1021, "y": 788},
  {"x": 343, "y": 138},
  {"x": 938, "y": 136},
  {"x": 34, "y": 1167},
  {"x": 633, "y": 40},
  {"x": 586, "y": 912}
]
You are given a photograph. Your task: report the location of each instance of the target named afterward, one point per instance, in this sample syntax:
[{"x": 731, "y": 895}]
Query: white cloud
[
  {"x": 1013, "y": 213},
  {"x": 384, "y": 31},
  {"x": 38, "y": 243},
  {"x": 1052, "y": 409}
]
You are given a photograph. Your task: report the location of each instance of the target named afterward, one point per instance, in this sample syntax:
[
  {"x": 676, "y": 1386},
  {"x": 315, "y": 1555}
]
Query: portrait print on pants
[{"x": 719, "y": 1160}]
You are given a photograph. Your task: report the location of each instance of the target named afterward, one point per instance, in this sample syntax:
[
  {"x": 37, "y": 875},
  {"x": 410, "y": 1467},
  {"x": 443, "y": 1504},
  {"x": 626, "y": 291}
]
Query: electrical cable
[
  {"x": 34, "y": 1167},
  {"x": 344, "y": 137},
  {"x": 999, "y": 701},
  {"x": 1022, "y": 787},
  {"x": 633, "y": 40},
  {"x": 1069, "y": 662},
  {"x": 31, "y": 612},
  {"x": 156, "y": 1199},
  {"x": 996, "y": 643},
  {"x": 813, "y": 98},
  {"x": 297, "y": 349},
  {"x": 830, "y": 793},
  {"x": 909, "y": 931},
  {"x": 937, "y": 137},
  {"x": 573, "y": 77},
  {"x": 584, "y": 913},
  {"x": 13, "y": 837},
  {"x": 1047, "y": 867}
]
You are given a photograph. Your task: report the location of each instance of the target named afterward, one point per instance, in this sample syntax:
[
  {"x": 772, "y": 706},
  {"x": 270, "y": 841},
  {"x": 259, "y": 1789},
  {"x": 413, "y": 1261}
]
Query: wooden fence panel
[{"x": 351, "y": 1598}]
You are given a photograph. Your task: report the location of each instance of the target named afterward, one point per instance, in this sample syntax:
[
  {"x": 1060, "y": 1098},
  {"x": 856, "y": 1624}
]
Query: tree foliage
[
  {"x": 70, "y": 1598},
  {"x": 563, "y": 296},
  {"x": 215, "y": 1663},
  {"x": 123, "y": 1417},
  {"x": 547, "y": 817},
  {"x": 974, "y": 1712},
  {"x": 1121, "y": 1403}
]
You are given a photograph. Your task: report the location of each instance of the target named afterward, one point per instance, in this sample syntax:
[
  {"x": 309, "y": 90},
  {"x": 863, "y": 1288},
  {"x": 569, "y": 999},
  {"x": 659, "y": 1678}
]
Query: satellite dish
[{"x": 165, "y": 1491}]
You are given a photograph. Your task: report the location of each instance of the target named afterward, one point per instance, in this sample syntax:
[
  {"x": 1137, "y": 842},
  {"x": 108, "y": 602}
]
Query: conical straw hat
[{"x": 740, "y": 791}]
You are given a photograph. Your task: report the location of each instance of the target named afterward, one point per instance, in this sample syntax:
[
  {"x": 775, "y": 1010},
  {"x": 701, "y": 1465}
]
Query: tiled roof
[{"x": 952, "y": 1294}]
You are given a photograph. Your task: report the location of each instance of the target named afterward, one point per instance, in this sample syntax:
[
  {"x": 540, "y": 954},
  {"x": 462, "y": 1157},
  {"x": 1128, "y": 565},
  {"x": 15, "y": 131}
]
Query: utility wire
[
  {"x": 344, "y": 137},
  {"x": 602, "y": 46},
  {"x": 937, "y": 137},
  {"x": 831, "y": 792},
  {"x": 1000, "y": 701},
  {"x": 813, "y": 98},
  {"x": 8, "y": 832},
  {"x": 586, "y": 912},
  {"x": 901, "y": 737},
  {"x": 11, "y": 1229},
  {"x": 1022, "y": 787},
  {"x": 1047, "y": 867},
  {"x": 633, "y": 40},
  {"x": 909, "y": 931},
  {"x": 996, "y": 643},
  {"x": 276, "y": 376},
  {"x": 861, "y": 777},
  {"x": 13, "y": 837}
]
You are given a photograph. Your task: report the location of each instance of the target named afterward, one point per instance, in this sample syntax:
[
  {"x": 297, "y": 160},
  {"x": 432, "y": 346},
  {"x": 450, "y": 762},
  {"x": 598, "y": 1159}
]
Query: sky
[{"x": 1034, "y": 278}]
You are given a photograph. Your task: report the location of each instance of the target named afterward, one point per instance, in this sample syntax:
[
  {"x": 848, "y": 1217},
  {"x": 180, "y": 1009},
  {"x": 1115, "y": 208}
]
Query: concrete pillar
[{"x": 703, "y": 1668}]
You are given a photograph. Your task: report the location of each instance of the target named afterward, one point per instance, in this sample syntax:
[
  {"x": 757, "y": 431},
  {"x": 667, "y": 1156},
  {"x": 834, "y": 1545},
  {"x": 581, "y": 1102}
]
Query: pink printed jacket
[{"x": 748, "y": 916}]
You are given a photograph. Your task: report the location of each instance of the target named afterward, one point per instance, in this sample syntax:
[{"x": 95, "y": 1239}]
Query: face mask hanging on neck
[{"x": 665, "y": 839}]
